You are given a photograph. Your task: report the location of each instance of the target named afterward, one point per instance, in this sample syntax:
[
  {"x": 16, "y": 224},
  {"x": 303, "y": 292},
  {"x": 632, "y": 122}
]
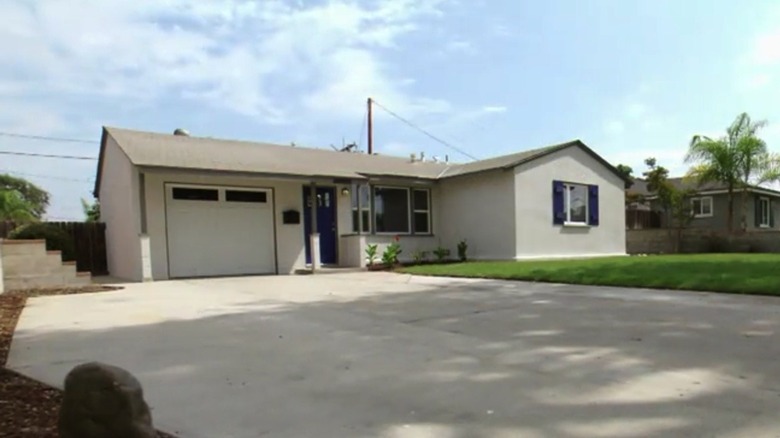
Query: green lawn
[{"x": 733, "y": 273}]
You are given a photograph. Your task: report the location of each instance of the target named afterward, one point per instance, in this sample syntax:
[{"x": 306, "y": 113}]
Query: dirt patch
[{"x": 28, "y": 408}]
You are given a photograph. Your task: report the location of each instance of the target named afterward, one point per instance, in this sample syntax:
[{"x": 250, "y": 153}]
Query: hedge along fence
[{"x": 89, "y": 243}]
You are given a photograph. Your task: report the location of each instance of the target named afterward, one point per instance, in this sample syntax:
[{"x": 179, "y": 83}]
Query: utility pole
[{"x": 370, "y": 129}]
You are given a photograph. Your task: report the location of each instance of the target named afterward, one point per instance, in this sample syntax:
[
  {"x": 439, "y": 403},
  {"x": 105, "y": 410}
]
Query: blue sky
[{"x": 632, "y": 79}]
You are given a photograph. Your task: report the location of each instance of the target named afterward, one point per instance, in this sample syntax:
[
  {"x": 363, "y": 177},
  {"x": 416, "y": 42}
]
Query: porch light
[{"x": 345, "y": 191}]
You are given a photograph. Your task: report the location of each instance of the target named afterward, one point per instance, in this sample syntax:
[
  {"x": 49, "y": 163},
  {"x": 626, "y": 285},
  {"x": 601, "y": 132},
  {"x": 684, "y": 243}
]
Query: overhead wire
[
  {"x": 31, "y": 154},
  {"x": 428, "y": 134},
  {"x": 44, "y": 137}
]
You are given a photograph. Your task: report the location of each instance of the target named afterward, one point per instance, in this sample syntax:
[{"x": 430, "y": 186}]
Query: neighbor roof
[
  {"x": 640, "y": 186},
  {"x": 148, "y": 149}
]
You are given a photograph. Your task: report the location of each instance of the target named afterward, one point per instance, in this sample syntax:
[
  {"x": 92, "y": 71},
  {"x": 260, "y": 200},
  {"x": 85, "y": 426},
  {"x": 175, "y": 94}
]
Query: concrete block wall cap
[
  {"x": 22, "y": 241},
  {"x": 69, "y": 263}
]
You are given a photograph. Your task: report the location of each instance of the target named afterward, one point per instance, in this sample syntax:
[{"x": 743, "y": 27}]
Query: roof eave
[
  {"x": 99, "y": 174},
  {"x": 337, "y": 178},
  {"x": 626, "y": 180}
]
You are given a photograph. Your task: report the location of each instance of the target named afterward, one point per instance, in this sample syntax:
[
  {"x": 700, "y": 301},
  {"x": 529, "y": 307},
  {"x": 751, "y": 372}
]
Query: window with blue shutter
[
  {"x": 559, "y": 209},
  {"x": 593, "y": 205},
  {"x": 575, "y": 204}
]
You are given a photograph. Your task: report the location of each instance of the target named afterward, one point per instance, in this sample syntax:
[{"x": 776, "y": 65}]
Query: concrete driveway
[{"x": 384, "y": 355}]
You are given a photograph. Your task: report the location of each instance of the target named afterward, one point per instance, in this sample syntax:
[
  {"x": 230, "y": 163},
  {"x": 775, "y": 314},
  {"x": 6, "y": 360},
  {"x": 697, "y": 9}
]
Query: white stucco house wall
[{"x": 178, "y": 206}]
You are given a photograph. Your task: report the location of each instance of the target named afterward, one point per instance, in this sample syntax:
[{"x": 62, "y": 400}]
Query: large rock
[{"x": 104, "y": 401}]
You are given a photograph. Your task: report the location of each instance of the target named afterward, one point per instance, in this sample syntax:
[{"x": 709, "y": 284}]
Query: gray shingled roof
[
  {"x": 185, "y": 152},
  {"x": 640, "y": 186},
  {"x": 149, "y": 149}
]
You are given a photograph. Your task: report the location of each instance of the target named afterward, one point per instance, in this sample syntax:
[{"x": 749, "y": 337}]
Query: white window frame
[
  {"x": 362, "y": 228},
  {"x": 426, "y": 211},
  {"x": 701, "y": 199},
  {"x": 567, "y": 204},
  {"x": 765, "y": 212}
]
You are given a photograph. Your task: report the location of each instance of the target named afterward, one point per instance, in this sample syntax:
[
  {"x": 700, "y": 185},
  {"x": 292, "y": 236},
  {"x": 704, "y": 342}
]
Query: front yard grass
[{"x": 733, "y": 273}]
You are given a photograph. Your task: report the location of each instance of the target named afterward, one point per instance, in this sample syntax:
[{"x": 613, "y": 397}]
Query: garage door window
[
  {"x": 246, "y": 196},
  {"x": 193, "y": 194}
]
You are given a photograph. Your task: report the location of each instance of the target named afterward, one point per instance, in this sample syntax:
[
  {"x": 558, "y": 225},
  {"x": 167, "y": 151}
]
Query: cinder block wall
[
  {"x": 26, "y": 264},
  {"x": 694, "y": 240}
]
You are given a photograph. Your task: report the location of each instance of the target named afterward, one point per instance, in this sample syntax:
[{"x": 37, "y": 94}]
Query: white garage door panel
[{"x": 214, "y": 238}]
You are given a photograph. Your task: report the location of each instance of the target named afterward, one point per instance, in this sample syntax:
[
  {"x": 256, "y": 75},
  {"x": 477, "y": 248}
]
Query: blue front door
[{"x": 326, "y": 223}]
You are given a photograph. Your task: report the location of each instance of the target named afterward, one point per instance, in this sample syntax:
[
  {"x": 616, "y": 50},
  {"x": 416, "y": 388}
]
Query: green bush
[
  {"x": 390, "y": 256},
  {"x": 56, "y": 238}
]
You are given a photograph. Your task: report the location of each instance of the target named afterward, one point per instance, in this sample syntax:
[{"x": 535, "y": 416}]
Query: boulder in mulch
[{"x": 104, "y": 401}]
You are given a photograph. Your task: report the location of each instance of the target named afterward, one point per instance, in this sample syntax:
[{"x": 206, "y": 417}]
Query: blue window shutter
[
  {"x": 593, "y": 205},
  {"x": 559, "y": 213}
]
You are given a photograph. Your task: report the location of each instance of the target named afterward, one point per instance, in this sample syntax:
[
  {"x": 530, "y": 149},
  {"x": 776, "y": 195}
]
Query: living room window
[
  {"x": 702, "y": 207},
  {"x": 421, "y": 204},
  {"x": 391, "y": 210},
  {"x": 361, "y": 208},
  {"x": 401, "y": 210}
]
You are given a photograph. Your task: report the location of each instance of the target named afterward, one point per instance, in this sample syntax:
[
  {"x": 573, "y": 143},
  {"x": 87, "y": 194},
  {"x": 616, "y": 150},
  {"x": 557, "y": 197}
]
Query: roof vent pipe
[{"x": 181, "y": 131}]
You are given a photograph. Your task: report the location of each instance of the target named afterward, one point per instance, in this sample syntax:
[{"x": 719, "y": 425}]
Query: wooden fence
[
  {"x": 642, "y": 219},
  {"x": 89, "y": 242}
]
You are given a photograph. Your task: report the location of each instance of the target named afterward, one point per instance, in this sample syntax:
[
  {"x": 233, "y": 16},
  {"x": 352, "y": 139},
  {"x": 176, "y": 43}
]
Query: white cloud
[
  {"x": 460, "y": 46},
  {"x": 246, "y": 56},
  {"x": 494, "y": 109},
  {"x": 761, "y": 65},
  {"x": 756, "y": 81},
  {"x": 766, "y": 48}
]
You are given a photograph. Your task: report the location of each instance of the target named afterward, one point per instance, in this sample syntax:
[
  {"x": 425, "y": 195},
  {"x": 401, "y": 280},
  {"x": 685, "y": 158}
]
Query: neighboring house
[
  {"x": 709, "y": 204},
  {"x": 177, "y": 206}
]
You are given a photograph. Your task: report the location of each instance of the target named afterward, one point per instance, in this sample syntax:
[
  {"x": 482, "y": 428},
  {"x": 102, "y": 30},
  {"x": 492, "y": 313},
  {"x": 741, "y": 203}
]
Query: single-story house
[
  {"x": 179, "y": 206},
  {"x": 710, "y": 204}
]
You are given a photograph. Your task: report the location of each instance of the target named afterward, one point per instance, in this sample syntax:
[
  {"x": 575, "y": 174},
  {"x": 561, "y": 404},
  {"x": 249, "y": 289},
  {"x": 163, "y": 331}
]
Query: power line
[
  {"x": 437, "y": 139},
  {"x": 65, "y": 157},
  {"x": 43, "y": 137},
  {"x": 35, "y": 175}
]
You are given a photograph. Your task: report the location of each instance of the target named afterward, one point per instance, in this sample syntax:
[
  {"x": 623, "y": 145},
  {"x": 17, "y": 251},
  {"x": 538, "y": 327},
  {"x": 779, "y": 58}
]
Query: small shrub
[
  {"x": 462, "y": 247},
  {"x": 441, "y": 253},
  {"x": 371, "y": 254},
  {"x": 420, "y": 256},
  {"x": 56, "y": 238},
  {"x": 390, "y": 256}
]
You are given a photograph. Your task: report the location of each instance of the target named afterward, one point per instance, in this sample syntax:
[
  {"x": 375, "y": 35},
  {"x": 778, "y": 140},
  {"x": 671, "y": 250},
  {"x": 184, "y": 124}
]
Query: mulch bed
[{"x": 28, "y": 408}]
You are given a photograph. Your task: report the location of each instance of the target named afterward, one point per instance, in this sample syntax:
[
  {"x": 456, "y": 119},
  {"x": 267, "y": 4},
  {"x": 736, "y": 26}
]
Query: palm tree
[
  {"x": 14, "y": 208},
  {"x": 736, "y": 160}
]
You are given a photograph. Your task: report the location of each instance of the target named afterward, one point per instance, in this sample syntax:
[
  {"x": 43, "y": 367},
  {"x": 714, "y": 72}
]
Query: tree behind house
[
  {"x": 35, "y": 199},
  {"x": 14, "y": 208},
  {"x": 737, "y": 160},
  {"x": 674, "y": 203},
  {"x": 91, "y": 211}
]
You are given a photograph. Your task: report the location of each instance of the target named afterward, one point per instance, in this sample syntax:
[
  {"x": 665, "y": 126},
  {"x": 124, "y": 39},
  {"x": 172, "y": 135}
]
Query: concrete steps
[{"x": 26, "y": 264}]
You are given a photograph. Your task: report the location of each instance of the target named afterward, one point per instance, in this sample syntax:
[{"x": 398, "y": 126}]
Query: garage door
[{"x": 216, "y": 231}]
